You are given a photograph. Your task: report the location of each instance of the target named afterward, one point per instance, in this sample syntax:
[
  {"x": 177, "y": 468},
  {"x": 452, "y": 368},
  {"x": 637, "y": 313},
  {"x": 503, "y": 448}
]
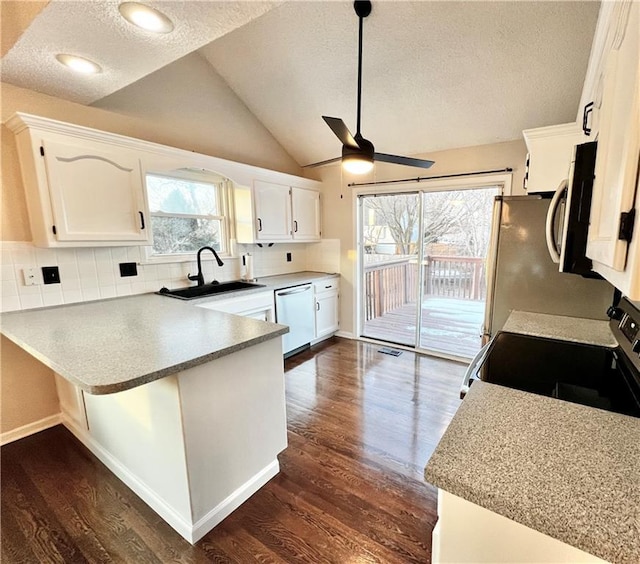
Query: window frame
[{"x": 223, "y": 187}]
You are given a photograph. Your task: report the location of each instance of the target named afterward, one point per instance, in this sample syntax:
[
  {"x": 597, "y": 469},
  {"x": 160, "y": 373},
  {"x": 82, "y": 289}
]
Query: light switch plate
[{"x": 30, "y": 276}]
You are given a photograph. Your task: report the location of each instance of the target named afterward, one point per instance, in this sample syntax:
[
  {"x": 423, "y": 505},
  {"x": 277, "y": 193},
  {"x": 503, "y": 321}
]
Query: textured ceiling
[
  {"x": 94, "y": 29},
  {"x": 436, "y": 75}
]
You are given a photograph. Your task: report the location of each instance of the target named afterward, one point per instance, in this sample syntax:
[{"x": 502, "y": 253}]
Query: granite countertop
[
  {"x": 285, "y": 280},
  {"x": 587, "y": 331},
  {"x": 269, "y": 284},
  {"x": 112, "y": 345},
  {"x": 569, "y": 471}
]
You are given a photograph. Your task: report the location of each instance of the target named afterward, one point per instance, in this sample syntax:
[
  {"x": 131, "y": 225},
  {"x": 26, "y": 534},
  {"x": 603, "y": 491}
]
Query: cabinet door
[
  {"x": 96, "y": 192},
  {"x": 618, "y": 144},
  {"x": 306, "y": 214},
  {"x": 550, "y": 152},
  {"x": 326, "y": 313},
  {"x": 273, "y": 211}
]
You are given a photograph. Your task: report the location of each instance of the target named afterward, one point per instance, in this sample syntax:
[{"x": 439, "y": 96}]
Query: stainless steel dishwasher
[{"x": 294, "y": 307}]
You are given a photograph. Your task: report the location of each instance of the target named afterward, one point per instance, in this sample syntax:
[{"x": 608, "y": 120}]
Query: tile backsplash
[{"x": 93, "y": 273}]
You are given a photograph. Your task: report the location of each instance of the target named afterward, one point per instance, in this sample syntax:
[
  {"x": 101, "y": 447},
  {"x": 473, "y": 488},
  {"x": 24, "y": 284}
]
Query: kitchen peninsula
[{"x": 184, "y": 404}]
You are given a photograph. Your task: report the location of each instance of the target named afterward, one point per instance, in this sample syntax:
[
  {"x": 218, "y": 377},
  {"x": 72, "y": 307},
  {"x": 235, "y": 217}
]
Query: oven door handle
[
  {"x": 472, "y": 369},
  {"x": 552, "y": 243}
]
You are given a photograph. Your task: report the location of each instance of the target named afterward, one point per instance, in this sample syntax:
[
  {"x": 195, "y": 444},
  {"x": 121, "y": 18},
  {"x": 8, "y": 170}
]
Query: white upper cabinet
[
  {"x": 305, "y": 205},
  {"x": 85, "y": 188},
  {"x": 613, "y": 84},
  {"x": 81, "y": 190},
  {"x": 550, "y": 152},
  {"x": 618, "y": 142},
  {"x": 96, "y": 192},
  {"x": 272, "y": 213}
]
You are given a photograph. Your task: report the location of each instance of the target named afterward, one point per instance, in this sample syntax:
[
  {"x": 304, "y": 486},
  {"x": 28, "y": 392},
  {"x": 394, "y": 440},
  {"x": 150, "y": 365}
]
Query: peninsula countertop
[
  {"x": 112, "y": 345},
  {"x": 569, "y": 471}
]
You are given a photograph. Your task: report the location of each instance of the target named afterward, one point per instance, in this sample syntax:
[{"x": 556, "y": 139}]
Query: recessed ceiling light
[
  {"x": 145, "y": 17},
  {"x": 79, "y": 64}
]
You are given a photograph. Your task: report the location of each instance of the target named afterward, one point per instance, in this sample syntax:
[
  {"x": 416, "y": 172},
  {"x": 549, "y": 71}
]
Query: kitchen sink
[{"x": 208, "y": 289}]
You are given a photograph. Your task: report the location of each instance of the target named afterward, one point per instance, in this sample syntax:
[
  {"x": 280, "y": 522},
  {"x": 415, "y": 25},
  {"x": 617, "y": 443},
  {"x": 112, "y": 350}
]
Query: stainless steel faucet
[{"x": 200, "y": 277}]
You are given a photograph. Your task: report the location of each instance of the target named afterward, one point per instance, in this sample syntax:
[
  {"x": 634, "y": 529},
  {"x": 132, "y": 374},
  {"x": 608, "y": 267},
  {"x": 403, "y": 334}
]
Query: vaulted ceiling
[{"x": 436, "y": 75}]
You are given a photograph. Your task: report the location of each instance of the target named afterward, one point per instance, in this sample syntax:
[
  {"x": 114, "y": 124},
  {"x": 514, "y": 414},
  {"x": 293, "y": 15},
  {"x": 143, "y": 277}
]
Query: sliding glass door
[
  {"x": 389, "y": 246},
  {"x": 424, "y": 268}
]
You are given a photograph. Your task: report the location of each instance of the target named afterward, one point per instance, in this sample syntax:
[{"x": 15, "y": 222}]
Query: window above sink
[{"x": 188, "y": 210}]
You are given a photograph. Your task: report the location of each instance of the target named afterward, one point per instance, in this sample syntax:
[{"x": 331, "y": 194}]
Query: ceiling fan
[{"x": 358, "y": 153}]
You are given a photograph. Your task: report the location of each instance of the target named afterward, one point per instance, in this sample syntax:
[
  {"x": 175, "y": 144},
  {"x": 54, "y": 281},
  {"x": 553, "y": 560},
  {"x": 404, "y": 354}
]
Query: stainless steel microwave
[{"x": 567, "y": 222}]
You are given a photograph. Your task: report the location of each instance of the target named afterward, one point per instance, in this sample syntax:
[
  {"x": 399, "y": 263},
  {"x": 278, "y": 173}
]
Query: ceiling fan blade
[
  {"x": 406, "y": 161},
  {"x": 342, "y": 131},
  {"x": 321, "y": 163}
]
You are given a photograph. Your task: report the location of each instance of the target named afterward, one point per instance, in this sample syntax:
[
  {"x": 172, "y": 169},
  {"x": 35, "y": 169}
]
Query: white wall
[{"x": 190, "y": 100}]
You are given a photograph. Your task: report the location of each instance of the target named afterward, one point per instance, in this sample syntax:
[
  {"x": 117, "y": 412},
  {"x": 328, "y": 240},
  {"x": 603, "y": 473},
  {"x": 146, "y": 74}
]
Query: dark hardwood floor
[{"x": 361, "y": 427}]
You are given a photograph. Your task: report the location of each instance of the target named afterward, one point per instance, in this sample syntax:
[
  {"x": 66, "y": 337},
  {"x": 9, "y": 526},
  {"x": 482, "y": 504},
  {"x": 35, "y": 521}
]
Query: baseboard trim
[
  {"x": 233, "y": 501},
  {"x": 344, "y": 335},
  {"x": 30, "y": 429},
  {"x": 191, "y": 532},
  {"x": 140, "y": 488}
]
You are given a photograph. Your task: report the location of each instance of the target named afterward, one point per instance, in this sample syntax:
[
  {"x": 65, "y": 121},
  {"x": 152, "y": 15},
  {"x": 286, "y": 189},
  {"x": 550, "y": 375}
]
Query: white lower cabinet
[
  {"x": 326, "y": 304},
  {"x": 466, "y": 532}
]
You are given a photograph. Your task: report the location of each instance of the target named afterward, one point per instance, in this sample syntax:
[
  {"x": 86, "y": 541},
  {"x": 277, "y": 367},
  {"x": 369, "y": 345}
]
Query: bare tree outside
[
  {"x": 457, "y": 221},
  {"x": 185, "y": 214},
  {"x": 183, "y": 235},
  {"x": 446, "y": 282}
]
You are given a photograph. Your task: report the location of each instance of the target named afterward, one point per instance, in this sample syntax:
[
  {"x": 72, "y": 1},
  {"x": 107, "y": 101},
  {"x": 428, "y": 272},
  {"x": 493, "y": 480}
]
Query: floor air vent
[{"x": 392, "y": 352}]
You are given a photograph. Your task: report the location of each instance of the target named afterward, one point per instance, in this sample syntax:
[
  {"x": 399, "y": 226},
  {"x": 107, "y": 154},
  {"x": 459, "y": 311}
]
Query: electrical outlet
[
  {"x": 30, "y": 276},
  {"x": 128, "y": 269},
  {"x": 51, "y": 275},
  {"x": 288, "y": 257}
]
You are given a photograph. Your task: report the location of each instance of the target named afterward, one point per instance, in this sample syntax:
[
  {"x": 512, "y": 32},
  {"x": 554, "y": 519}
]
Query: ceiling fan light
[
  {"x": 357, "y": 164},
  {"x": 145, "y": 17}
]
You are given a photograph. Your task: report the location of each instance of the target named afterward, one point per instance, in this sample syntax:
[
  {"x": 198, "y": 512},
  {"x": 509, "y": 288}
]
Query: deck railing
[{"x": 390, "y": 284}]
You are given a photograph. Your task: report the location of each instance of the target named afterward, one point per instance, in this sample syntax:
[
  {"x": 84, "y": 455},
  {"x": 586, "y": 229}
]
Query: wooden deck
[{"x": 449, "y": 325}]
